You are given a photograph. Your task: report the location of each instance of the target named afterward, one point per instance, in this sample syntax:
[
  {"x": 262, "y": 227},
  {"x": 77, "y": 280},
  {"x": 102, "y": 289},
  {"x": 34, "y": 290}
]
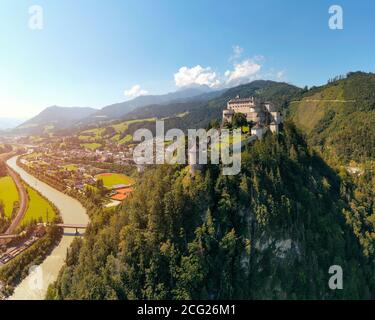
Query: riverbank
[{"x": 35, "y": 285}]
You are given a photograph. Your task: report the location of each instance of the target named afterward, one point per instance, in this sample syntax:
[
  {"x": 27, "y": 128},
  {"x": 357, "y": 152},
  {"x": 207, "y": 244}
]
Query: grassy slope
[
  {"x": 8, "y": 194},
  {"x": 310, "y": 110},
  {"x": 96, "y": 134},
  {"x": 339, "y": 118}
]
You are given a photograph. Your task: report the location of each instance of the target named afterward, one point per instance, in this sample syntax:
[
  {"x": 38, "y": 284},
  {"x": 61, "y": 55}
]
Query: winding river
[{"x": 35, "y": 285}]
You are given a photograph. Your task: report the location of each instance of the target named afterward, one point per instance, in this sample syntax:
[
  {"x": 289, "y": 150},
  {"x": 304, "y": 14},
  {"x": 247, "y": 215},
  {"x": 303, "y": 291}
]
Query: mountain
[
  {"x": 10, "y": 123},
  {"x": 339, "y": 117},
  {"x": 53, "y": 118},
  {"x": 270, "y": 232},
  {"x": 195, "y": 112},
  {"x": 119, "y": 110},
  {"x": 199, "y": 113}
]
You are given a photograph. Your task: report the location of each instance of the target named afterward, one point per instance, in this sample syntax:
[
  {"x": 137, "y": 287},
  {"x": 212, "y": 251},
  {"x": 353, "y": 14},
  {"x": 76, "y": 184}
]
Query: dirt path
[{"x": 23, "y": 200}]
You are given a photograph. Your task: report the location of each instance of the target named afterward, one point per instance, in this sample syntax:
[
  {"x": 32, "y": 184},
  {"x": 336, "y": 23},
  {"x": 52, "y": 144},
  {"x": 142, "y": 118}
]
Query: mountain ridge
[{"x": 53, "y": 118}]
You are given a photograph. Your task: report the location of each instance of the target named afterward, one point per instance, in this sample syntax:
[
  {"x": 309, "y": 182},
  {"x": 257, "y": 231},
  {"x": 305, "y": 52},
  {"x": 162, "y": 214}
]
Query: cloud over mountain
[
  {"x": 242, "y": 72},
  {"x": 135, "y": 91},
  {"x": 197, "y": 75}
]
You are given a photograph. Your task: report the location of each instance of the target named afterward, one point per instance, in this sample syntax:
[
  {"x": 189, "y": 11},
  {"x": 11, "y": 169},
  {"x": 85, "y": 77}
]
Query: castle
[{"x": 261, "y": 115}]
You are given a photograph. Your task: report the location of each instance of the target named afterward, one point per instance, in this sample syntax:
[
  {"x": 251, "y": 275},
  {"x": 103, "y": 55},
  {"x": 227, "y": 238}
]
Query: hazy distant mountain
[
  {"x": 10, "y": 123},
  {"x": 119, "y": 110},
  {"x": 54, "y": 118}
]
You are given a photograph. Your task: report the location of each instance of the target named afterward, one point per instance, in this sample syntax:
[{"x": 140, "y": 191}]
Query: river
[{"x": 35, "y": 285}]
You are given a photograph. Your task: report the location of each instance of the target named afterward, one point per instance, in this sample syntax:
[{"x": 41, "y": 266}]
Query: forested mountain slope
[
  {"x": 339, "y": 118},
  {"x": 118, "y": 111},
  {"x": 199, "y": 111},
  {"x": 271, "y": 232}
]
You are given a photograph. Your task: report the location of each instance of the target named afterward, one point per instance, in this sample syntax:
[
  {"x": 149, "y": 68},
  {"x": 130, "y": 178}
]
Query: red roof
[
  {"x": 125, "y": 190},
  {"x": 122, "y": 194}
]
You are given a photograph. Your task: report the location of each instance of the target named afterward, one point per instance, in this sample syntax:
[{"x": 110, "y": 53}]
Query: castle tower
[{"x": 274, "y": 127}]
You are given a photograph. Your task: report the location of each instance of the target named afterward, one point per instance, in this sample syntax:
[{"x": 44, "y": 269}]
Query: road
[{"x": 23, "y": 201}]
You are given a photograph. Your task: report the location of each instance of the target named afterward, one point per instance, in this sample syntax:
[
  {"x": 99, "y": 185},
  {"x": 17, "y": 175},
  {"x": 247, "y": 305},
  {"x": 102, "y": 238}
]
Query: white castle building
[{"x": 262, "y": 115}]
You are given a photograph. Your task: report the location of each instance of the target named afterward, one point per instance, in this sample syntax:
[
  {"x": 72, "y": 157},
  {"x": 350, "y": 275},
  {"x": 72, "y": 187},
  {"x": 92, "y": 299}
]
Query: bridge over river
[{"x": 61, "y": 225}]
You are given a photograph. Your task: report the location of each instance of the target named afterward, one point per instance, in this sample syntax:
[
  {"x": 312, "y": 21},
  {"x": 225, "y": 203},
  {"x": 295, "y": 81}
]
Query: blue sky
[{"x": 93, "y": 53}]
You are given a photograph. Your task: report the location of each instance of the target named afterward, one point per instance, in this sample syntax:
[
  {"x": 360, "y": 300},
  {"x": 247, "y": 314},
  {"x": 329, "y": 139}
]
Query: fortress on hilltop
[{"x": 260, "y": 115}]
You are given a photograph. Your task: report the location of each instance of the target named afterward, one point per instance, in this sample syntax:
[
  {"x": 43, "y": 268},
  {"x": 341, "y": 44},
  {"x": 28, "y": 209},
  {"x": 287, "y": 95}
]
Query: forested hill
[
  {"x": 271, "y": 232},
  {"x": 200, "y": 113},
  {"x": 339, "y": 118}
]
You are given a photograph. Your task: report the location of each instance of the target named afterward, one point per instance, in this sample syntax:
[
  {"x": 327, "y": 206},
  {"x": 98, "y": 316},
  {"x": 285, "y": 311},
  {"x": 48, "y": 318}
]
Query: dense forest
[
  {"x": 339, "y": 122},
  {"x": 271, "y": 232}
]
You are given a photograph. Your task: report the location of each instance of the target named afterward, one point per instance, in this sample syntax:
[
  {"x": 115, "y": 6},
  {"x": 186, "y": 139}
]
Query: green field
[
  {"x": 91, "y": 135},
  {"x": 111, "y": 179},
  {"x": 37, "y": 208},
  {"x": 8, "y": 194},
  {"x": 71, "y": 167},
  {"x": 121, "y": 127},
  {"x": 127, "y": 138},
  {"x": 96, "y": 134},
  {"x": 92, "y": 146}
]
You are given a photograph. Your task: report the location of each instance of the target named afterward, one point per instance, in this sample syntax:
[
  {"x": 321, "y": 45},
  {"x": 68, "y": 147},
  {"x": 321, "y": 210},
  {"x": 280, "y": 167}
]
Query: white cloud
[
  {"x": 196, "y": 76},
  {"x": 135, "y": 91},
  {"x": 242, "y": 72},
  {"x": 237, "y": 53},
  {"x": 280, "y": 74}
]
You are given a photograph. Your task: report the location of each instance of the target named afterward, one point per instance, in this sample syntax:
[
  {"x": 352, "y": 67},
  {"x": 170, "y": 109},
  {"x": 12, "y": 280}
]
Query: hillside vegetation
[
  {"x": 195, "y": 113},
  {"x": 271, "y": 232},
  {"x": 339, "y": 118}
]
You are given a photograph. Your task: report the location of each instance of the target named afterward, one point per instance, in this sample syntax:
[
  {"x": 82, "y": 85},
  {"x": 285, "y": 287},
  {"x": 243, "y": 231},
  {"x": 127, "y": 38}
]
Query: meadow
[
  {"x": 38, "y": 208},
  {"x": 8, "y": 194},
  {"x": 91, "y": 146},
  {"x": 96, "y": 134}
]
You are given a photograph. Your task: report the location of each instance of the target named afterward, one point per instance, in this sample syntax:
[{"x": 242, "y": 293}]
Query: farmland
[
  {"x": 116, "y": 131},
  {"x": 8, "y": 194},
  {"x": 37, "y": 209},
  {"x": 91, "y": 146}
]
